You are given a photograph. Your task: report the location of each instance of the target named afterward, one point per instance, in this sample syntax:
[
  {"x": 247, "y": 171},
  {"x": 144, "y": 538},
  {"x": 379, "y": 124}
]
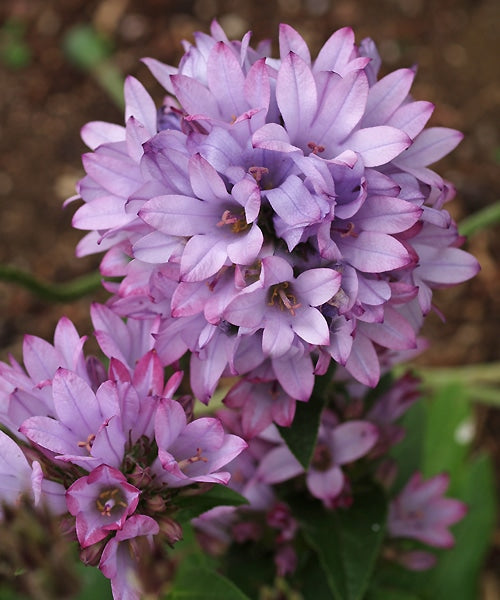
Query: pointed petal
[
  {"x": 352, "y": 440},
  {"x": 139, "y": 105},
  {"x": 378, "y": 145},
  {"x": 296, "y": 95},
  {"x": 374, "y": 252},
  {"x": 430, "y": 146}
]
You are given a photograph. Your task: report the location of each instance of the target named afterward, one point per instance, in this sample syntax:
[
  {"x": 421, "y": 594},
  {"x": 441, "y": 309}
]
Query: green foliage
[
  {"x": 440, "y": 432},
  {"x": 346, "y": 541},
  {"x": 14, "y": 51},
  {"x": 201, "y": 583},
  {"x": 301, "y": 436},
  {"x": 219, "y": 495}
]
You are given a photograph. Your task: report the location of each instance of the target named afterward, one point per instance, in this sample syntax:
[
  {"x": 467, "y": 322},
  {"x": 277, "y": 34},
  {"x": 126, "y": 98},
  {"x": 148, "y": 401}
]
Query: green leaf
[
  {"x": 314, "y": 584},
  {"x": 387, "y": 593},
  {"x": 197, "y": 583},
  {"x": 249, "y": 566},
  {"x": 458, "y": 570},
  {"x": 94, "y": 584},
  {"x": 346, "y": 542},
  {"x": 301, "y": 436},
  {"x": 408, "y": 453},
  {"x": 219, "y": 495},
  {"x": 482, "y": 219},
  {"x": 449, "y": 432}
]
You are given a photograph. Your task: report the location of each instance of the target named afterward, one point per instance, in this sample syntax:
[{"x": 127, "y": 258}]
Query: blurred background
[{"x": 62, "y": 64}]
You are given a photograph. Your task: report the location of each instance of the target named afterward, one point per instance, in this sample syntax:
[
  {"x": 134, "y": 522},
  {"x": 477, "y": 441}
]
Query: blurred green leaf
[
  {"x": 346, "y": 541},
  {"x": 408, "y": 453},
  {"x": 94, "y": 584},
  {"x": 14, "y": 51},
  {"x": 482, "y": 219},
  {"x": 449, "y": 432},
  {"x": 220, "y": 495},
  {"x": 301, "y": 436},
  {"x": 458, "y": 570},
  {"x": 198, "y": 583},
  {"x": 92, "y": 52},
  {"x": 85, "y": 47}
]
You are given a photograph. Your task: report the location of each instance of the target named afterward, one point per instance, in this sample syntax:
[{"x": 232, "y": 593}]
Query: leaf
[
  {"x": 346, "y": 541},
  {"x": 250, "y": 567},
  {"x": 203, "y": 584},
  {"x": 314, "y": 584},
  {"x": 301, "y": 436},
  {"x": 449, "y": 432},
  {"x": 218, "y": 495},
  {"x": 386, "y": 593},
  {"x": 408, "y": 453},
  {"x": 458, "y": 570},
  {"x": 94, "y": 584}
]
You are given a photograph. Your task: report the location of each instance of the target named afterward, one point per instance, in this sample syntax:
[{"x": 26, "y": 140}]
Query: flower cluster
[
  {"x": 275, "y": 212},
  {"x": 113, "y": 449},
  {"x": 275, "y": 221}
]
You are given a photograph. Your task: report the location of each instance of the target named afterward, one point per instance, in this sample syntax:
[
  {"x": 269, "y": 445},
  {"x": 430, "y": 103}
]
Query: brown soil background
[{"x": 44, "y": 104}]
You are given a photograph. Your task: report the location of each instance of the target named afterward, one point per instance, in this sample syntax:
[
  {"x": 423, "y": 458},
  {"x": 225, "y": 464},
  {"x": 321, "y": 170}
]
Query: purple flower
[
  {"x": 192, "y": 452},
  {"x": 123, "y": 553},
  {"x": 27, "y": 392},
  {"x": 18, "y": 477},
  {"x": 286, "y": 196},
  {"x": 101, "y": 502},
  {"x": 284, "y": 307},
  {"x": 421, "y": 512},
  {"x": 337, "y": 445}
]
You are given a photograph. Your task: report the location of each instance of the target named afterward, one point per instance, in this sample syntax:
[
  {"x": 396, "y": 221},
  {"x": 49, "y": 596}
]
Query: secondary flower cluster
[
  {"x": 275, "y": 212},
  {"x": 114, "y": 449}
]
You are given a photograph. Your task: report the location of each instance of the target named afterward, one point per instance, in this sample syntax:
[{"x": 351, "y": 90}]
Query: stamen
[
  {"x": 188, "y": 461},
  {"x": 108, "y": 500},
  {"x": 238, "y": 222},
  {"x": 285, "y": 299},
  {"x": 349, "y": 231},
  {"x": 88, "y": 443},
  {"x": 315, "y": 148},
  {"x": 258, "y": 172}
]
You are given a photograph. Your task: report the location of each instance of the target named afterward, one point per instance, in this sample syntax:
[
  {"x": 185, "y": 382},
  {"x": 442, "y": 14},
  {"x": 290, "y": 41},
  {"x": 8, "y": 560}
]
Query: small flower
[
  {"x": 123, "y": 553},
  {"x": 194, "y": 451},
  {"x": 337, "y": 445},
  {"x": 421, "y": 512},
  {"x": 101, "y": 502}
]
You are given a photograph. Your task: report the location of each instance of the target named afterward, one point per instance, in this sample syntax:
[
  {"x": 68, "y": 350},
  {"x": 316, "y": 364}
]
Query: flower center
[
  {"x": 193, "y": 459},
  {"x": 322, "y": 458},
  {"x": 315, "y": 148},
  {"x": 284, "y": 298},
  {"x": 238, "y": 222},
  {"x": 87, "y": 444},
  {"x": 258, "y": 172},
  {"x": 110, "y": 500}
]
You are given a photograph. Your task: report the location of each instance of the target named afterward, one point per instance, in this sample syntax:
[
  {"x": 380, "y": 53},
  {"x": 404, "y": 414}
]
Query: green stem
[
  {"x": 482, "y": 219},
  {"x": 54, "y": 292},
  {"x": 480, "y": 382}
]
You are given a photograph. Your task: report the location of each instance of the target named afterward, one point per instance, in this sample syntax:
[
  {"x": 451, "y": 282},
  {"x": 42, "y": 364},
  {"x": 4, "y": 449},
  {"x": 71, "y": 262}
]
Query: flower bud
[{"x": 171, "y": 529}]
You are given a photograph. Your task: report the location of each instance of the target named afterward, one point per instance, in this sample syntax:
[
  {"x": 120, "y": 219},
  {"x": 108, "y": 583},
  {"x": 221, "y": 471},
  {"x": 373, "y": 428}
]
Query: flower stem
[
  {"x": 487, "y": 217},
  {"x": 54, "y": 292}
]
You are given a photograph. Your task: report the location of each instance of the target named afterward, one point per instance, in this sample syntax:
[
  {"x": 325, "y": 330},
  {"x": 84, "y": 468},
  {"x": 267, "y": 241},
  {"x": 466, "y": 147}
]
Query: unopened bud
[
  {"x": 171, "y": 529},
  {"x": 141, "y": 477},
  {"x": 156, "y": 504},
  {"x": 91, "y": 555}
]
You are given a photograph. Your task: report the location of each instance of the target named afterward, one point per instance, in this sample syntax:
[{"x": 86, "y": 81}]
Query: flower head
[
  {"x": 284, "y": 195},
  {"x": 421, "y": 512}
]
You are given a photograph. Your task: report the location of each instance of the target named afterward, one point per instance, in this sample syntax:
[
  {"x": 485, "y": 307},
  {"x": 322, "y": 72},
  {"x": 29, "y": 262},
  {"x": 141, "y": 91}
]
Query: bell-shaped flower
[
  {"x": 420, "y": 511},
  {"x": 101, "y": 502},
  {"x": 191, "y": 452}
]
